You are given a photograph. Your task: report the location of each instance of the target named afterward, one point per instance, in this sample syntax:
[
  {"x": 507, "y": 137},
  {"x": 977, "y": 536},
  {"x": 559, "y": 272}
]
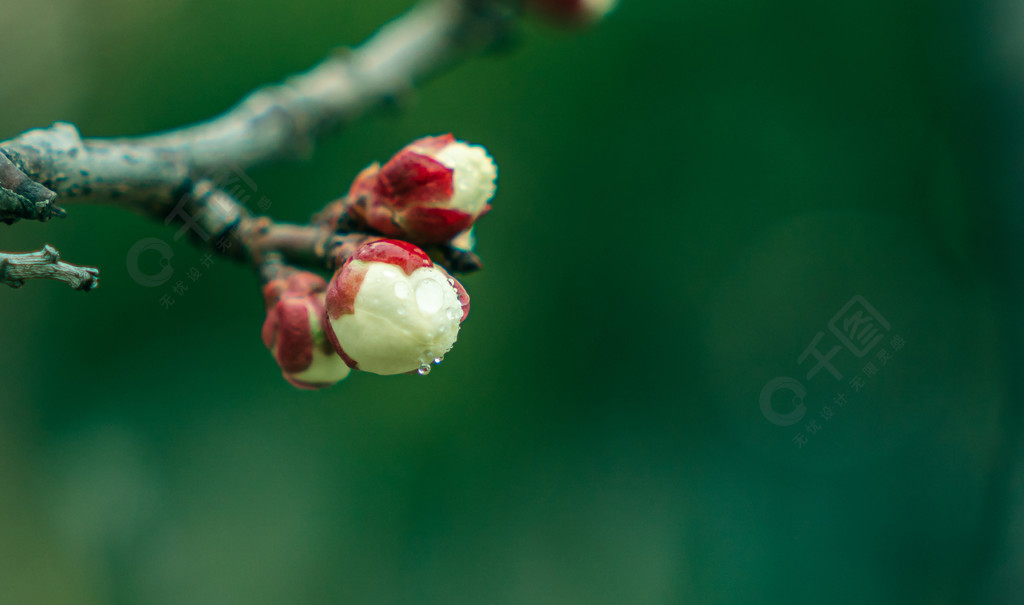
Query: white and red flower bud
[
  {"x": 429, "y": 192},
  {"x": 576, "y": 12},
  {"x": 391, "y": 310},
  {"x": 293, "y": 331}
]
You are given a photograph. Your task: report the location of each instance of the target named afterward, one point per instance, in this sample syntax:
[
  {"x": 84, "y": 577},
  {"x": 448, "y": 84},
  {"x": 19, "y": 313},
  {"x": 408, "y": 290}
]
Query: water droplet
[
  {"x": 401, "y": 289},
  {"x": 429, "y": 296},
  {"x": 453, "y": 314},
  {"x": 424, "y": 370},
  {"x": 438, "y": 360}
]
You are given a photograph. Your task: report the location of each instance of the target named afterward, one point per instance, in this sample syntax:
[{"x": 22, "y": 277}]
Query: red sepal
[
  {"x": 413, "y": 178},
  {"x": 293, "y": 343}
]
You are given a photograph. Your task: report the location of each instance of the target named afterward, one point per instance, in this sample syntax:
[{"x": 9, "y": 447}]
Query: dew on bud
[
  {"x": 398, "y": 321},
  {"x": 429, "y": 296}
]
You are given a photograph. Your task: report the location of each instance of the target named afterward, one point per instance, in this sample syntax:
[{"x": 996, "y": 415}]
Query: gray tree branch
[
  {"x": 170, "y": 175},
  {"x": 275, "y": 122}
]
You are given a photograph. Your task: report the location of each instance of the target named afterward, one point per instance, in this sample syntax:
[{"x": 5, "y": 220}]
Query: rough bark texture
[
  {"x": 21, "y": 197},
  {"x": 15, "y": 269}
]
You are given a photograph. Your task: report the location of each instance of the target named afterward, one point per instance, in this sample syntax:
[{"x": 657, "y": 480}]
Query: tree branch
[
  {"x": 272, "y": 123},
  {"x": 45, "y": 264},
  {"x": 170, "y": 175}
]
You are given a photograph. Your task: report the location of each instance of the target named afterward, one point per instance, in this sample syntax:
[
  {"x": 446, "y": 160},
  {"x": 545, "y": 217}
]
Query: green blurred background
[{"x": 687, "y": 195}]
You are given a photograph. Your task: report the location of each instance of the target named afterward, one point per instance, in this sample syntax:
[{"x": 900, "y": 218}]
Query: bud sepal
[{"x": 293, "y": 332}]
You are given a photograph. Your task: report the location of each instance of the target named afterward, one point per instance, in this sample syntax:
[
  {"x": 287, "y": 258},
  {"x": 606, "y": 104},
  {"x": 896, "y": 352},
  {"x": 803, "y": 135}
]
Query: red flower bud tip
[
  {"x": 429, "y": 192},
  {"x": 577, "y": 12},
  {"x": 293, "y": 332},
  {"x": 391, "y": 310},
  {"x": 296, "y": 284}
]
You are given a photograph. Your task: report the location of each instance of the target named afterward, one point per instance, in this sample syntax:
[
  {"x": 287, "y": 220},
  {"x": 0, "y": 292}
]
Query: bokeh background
[{"x": 688, "y": 194}]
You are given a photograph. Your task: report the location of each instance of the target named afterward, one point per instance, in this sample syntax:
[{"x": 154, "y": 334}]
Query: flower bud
[
  {"x": 293, "y": 332},
  {"x": 391, "y": 310},
  {"x": 576, "y": 12},
  {"x": 429, "y": 192}
]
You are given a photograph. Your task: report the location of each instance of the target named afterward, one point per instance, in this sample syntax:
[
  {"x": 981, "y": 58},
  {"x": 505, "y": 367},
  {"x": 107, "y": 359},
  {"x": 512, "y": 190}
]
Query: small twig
[
  {"x": 45, "y": 264},
  {"x": 216, "y": 220}
]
